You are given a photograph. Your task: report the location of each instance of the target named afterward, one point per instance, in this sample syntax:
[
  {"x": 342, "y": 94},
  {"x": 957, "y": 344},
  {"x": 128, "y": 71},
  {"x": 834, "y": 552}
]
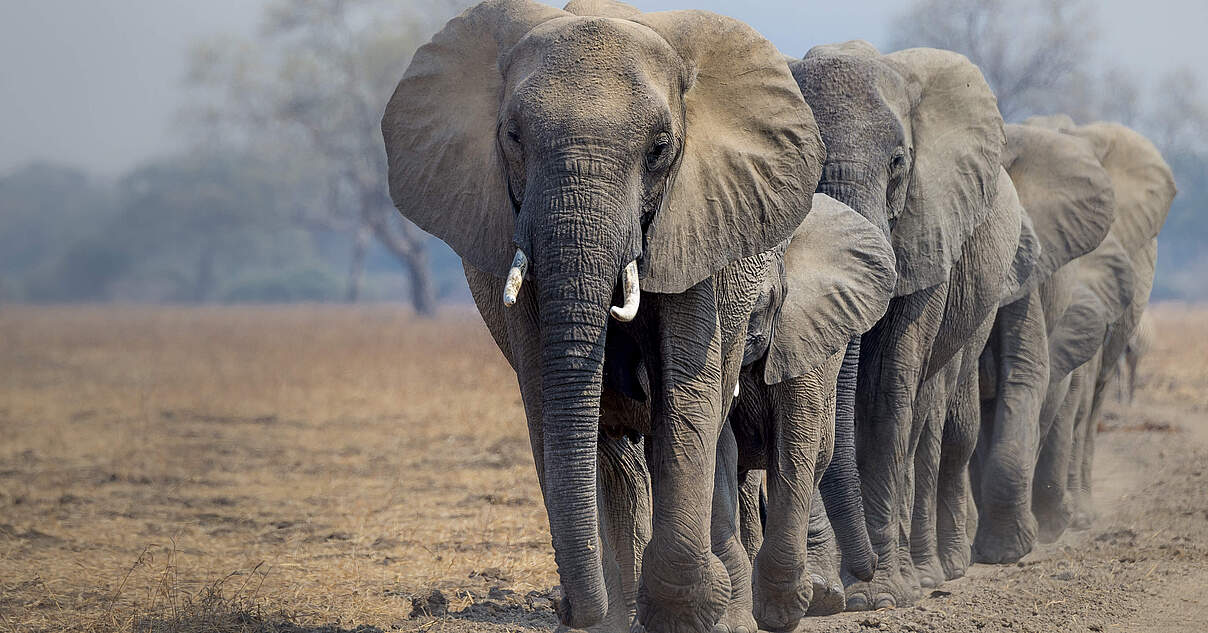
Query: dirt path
[{"x": 293, "y": 470}]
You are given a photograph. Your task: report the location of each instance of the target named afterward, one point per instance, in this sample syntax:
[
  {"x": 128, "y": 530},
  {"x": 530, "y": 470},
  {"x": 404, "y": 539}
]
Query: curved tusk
[
  {"x": 511, "y": 288},
  {"x": 633, "y": 293}
]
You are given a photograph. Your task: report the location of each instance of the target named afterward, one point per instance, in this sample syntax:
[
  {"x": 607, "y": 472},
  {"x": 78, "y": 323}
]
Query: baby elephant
[{"x": 836, "y": 282}]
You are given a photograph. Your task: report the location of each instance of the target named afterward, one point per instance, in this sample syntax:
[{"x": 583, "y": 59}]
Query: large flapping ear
[
  {"x": 1052, "y": 122},
  {"x": 1142, "y": 180},
  {"x": 957, "y": 136},
  {"x": 1103, "y": 292},
  {"x": 1064, "y": 189},
  {"x": 445, "y": 170},
  {"x": 1021, "y": 275},
  {"x": 839, "y": 271},
  {"x": 751, "y": 154}
]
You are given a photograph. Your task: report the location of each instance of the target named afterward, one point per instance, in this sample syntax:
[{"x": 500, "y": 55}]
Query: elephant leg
[
  {"x": 824, "y": 563},
  {"x": 891, "y": 363},
  {"x": 1010, "y": 434},
  {"x": 952, "y": 498},
  {"x": 684, "y": 587},
  {"x": 802, "y": 424},
  {"x": 727, "y": 544},
  {"x": 923, "y": 548},
  {"x": 1076, "y": 486},
  {"x": 624, "y": 500},
  {"x": 751, "y": 501},
  {"x": 1052, "y": 465}
]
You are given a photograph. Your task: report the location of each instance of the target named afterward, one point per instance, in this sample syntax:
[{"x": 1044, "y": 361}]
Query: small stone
[{"x": 435, "y": 605}]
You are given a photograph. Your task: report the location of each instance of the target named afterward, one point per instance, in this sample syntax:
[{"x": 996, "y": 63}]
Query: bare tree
[
  {"x": 311, "y": 90},
  {"x": 1027, "y": 49}
]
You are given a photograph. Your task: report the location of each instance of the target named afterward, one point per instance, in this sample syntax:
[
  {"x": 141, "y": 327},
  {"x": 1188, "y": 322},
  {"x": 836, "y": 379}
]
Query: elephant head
[
  {"x": 913, "y": 141},
  {"x": 564, "y": 152}
]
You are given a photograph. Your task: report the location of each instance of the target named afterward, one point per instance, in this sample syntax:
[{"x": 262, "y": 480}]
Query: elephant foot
[
  {"x": 910, "y": 577},
  {"x": 955, "y": 557},
  {"x": 781, "y": 603},
  {"x": 683, "y": 601},
  {"x": 888, "y": 588},
  {"x": 1051, "y": 520},
  {"x": 929, "y": 570},
  {"x": 736, "y": 621},
  {"x": 829, "y": 597},
  {"x": 824, "y": 563},
  {"x": 1005, "y": 536}
]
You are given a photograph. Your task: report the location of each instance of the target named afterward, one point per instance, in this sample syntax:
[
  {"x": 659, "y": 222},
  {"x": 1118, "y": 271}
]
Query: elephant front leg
[
  {"x": 802, "y": 416},
  {"x": 726, "y": 537},
  {"x": 924, "y": 550},
  {"x": 1049, "y": 503},
  {"x": 952, "y": 494},
  {"x": 624, "y": 500},
  {"x": 684, "y": 587},
  {"x": 824, "y": 563}
]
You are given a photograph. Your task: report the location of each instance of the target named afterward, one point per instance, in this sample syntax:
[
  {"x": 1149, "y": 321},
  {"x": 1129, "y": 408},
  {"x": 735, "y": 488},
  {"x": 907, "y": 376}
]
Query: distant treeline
[{"x": 194, "y": 229}]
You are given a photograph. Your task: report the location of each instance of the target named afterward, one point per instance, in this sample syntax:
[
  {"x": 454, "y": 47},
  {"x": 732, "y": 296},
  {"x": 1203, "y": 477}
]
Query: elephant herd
[{"x": 792, "y": 336}]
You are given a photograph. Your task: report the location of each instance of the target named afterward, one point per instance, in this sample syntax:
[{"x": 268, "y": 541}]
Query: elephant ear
[
  {"x": 839, "y": 272},
  {"x": 1021, "y": 276},
  {"x": 1143, "y": 182},
  {"x": 1052, "y": 122},
  {"x": 957, "y": 135},
  {"x": 445, "y": 171},
  {"x": 1065, "y": 191},
  {"x": 751, "y": 155},
  {"x": 1103, "y": 290},
  {"x": 602, "y": 8}
]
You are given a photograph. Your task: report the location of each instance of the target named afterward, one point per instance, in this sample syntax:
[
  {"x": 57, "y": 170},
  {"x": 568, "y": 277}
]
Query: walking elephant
[
  {"x": 913, "y": 144},
  {"x": 580, "y": 162},
  {"x": 1069, "y": 201},
  {"x": 837, "y": 280},
  {"x": 1090, "y": 341}
]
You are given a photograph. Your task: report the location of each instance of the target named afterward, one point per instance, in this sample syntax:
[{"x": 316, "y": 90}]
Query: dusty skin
[{"x": 329, "y": 469}]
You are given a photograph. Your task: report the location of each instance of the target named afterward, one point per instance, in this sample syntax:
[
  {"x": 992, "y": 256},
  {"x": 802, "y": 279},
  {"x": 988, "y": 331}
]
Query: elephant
[
  {"x": 1112, "y": 285},
  {"x": 1069, "y": 202},
  {"x": 584, "y": 163},
  {"x": 838, "y": 275},
  {"x": 913, "y": 142}
]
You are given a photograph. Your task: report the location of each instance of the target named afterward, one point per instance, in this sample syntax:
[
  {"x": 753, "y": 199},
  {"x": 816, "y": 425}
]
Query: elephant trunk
[
  {"x": 840, "y": 484},
  {"x": 575, "y": 283}
]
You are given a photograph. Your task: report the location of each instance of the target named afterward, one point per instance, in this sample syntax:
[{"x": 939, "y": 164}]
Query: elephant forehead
[
  {"x": 593, "y": 57},
  {"x": 849, "y": 93}
]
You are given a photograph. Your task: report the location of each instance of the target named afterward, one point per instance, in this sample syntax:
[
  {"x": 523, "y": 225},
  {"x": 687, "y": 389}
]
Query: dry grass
[
  {"x": 326, "y": 462},
  {"x": 288, "y": 469}
]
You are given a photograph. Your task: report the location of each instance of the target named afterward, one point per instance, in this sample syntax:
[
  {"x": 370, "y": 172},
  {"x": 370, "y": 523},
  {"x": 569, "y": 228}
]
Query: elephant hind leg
[
  {"x": 824, "y": 563},
  {"x": 726, "y": 539},
  {"x": 624, "y": 499}
]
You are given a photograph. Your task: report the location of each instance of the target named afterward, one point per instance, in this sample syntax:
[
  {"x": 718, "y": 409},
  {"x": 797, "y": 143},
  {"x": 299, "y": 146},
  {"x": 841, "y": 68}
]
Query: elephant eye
[
  {"x": 659, "y": 150},
  {"x": 898, "y": 161}
]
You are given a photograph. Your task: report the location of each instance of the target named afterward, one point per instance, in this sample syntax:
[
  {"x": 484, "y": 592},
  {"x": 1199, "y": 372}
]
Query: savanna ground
[{"x": 352, "y": 469}]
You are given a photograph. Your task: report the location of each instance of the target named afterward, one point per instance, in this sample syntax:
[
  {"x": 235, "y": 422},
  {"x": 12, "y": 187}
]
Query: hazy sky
[{"x": 96, "y": 83}]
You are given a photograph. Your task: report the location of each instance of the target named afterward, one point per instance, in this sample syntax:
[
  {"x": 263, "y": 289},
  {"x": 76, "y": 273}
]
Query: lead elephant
[
  {"x": 574, "y": 161},
  {"x": 913, "y": 142}
]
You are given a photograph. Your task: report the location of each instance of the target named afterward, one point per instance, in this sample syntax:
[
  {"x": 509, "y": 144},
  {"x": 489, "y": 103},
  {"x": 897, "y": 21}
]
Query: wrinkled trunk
[
  {"x": 575, "y": 282},
  {"x": 840, "y": 484}
]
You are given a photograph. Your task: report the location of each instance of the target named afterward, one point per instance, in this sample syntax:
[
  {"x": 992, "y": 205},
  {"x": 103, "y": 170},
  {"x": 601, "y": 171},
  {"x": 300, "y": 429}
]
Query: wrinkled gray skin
[
  {"x": 1070, "y": 203},
  {"x": 913, "y": 141},
  {"x": 838, "y": 275},
  {"x": 674, "y": 140},
  {"x": 1110, "y": 290}
]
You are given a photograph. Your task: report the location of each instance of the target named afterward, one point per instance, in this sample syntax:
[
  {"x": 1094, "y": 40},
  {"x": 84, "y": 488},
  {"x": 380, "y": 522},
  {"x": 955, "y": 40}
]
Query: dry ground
[{"x": 315, "y": 469}]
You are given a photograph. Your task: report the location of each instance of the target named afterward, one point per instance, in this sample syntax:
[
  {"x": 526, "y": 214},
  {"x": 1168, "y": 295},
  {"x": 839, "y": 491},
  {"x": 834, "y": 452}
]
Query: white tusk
[
  {"x": 736, "y": 389},
  {"x": 633, "y": 293},
  {"x": 511, "y": 288}
]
